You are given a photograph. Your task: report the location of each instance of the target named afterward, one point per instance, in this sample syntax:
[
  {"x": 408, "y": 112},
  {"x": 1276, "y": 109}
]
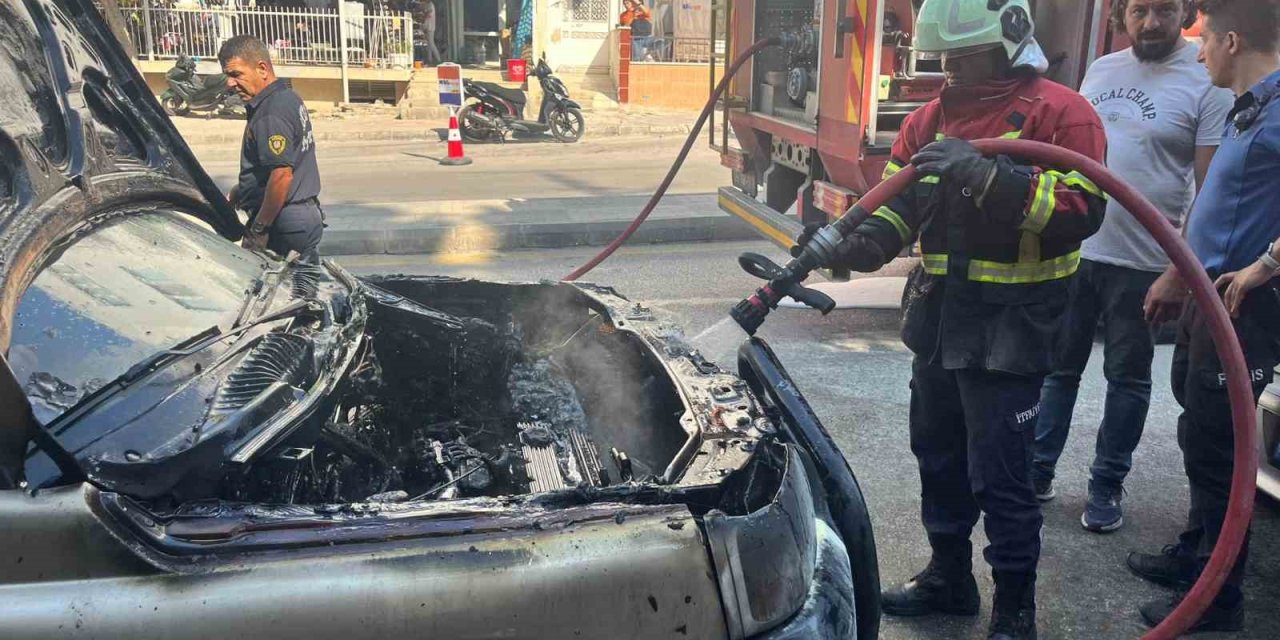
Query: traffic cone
[{"x": 456, "y": 158}]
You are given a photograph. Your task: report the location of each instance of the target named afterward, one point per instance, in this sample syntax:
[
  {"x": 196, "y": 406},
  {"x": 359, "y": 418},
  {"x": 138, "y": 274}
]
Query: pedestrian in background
[
  {"x": 1234, "y": 230},
  {"x": 637, "y": 16},
  {"x": 1163, "y": 118},
  {"x": 279, "y": 183}
]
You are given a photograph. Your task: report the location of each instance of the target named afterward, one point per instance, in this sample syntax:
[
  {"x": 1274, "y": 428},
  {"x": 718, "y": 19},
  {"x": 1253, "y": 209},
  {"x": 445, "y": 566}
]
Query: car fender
[{"x": 760, "y": 367}]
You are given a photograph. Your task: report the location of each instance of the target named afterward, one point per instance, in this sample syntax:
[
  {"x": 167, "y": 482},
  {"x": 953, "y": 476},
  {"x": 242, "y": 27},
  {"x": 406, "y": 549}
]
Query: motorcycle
[
  {"x": 189, "y": 91},
  {"x": 493, "y": 111}
]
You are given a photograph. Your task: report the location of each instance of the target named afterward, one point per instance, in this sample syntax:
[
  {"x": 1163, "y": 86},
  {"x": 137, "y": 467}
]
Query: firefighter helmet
[{"x": 962, "y": 27}]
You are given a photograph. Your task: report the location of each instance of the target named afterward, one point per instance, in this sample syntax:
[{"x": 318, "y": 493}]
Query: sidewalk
[{"x": 199, "y": 130}]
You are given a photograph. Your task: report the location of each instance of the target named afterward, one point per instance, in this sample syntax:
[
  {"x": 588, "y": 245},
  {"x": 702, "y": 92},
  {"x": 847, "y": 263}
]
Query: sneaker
[
  {"x": 1172, "y": 567},
  {"x": 932, "y": 591},
  {"x": 1102, "y": 512},
  {"x": 1215, "y": 618},
  {"x": 1044, "y": 488}
]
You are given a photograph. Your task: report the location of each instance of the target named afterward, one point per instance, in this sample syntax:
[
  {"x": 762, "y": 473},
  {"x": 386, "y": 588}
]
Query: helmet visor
[{"x": 956, "y": 53}]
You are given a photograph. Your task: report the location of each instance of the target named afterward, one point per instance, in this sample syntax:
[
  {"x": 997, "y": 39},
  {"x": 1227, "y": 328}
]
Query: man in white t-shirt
[{"x": 1163, "y": 118}]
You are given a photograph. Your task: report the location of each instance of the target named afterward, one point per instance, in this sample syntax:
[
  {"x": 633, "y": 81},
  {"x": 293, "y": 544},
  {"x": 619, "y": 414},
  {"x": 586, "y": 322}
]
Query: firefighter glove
[
  {"x": 859, "y": 252},
  {"x": 958, "y": 162},
  {"x": 805, "y": 236}
]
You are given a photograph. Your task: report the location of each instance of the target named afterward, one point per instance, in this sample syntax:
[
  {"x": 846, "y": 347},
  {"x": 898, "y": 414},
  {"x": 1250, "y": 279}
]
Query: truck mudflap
[
  {"x": 775, "y": 227},
  {"x": 759, "y": 366}
]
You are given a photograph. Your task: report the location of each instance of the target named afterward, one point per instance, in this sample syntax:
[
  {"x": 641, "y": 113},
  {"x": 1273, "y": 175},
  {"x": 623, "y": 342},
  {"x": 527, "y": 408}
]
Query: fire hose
[
  {"x": 729, "y": 73},
  {"x": 785, "y": 281}
]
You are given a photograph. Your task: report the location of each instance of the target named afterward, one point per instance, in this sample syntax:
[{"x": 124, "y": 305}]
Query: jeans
[
  {"x": 639, "y": 47},
  {"x": 1113, "y": 295},
  {"x": 971, "y": 434}
]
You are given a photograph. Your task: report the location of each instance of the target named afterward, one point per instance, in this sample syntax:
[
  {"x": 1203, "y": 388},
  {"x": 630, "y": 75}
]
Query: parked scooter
[
  {"x": 493, "y": 111},
  {"x": 189, "y": 91}
]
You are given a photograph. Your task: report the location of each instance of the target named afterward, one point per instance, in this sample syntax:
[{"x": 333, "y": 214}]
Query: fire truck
[{"x": 814, "y": 124}]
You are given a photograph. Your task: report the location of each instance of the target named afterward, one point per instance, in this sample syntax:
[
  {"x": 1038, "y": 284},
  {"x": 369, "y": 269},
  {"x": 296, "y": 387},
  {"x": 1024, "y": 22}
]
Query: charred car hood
[{"x": 81, "y": 131}]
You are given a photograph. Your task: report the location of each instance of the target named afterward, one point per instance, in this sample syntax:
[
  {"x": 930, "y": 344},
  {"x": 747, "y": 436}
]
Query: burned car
[{"x": 203, "y": 441}]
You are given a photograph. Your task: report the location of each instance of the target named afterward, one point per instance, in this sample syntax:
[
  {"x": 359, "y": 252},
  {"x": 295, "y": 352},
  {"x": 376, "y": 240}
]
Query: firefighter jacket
[{"x": 992, "y": 285}]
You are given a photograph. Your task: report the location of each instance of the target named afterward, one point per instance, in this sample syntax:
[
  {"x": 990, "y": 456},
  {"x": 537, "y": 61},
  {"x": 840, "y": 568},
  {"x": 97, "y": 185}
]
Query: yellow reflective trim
[
  {"x": 1077, "y": 179},
  {"x": 889, "y": 169},
  {"x": 1042, "y": 205},
  {"x": 1005, "y": 273},
  {"x": 1012, "y": 135},
  {"x": 930, "y": 179},
  {"x": 1024, "y": 272},
  {"x": 892, "y": 216},
  {"x": 934, "y": 263}
]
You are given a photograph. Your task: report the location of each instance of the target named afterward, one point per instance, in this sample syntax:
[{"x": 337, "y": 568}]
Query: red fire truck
[{"x": 813, "y": 127}]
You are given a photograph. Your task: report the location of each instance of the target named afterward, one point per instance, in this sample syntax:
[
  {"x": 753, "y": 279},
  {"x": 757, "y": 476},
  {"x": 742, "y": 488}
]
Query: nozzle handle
[{"x": 812, "y": 298}]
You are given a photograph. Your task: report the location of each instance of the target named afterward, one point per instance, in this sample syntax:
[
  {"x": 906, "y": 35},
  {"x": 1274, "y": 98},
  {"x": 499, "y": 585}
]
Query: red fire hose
[
  {"x": 729, "y": 73},
  {"x": 1243, "y": 479}
]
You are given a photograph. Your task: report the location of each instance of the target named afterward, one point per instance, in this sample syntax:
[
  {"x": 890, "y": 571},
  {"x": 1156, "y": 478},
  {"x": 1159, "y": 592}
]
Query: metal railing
[
  {"x": 671, "y": 49},
  {"x": 379, "y": 39}
]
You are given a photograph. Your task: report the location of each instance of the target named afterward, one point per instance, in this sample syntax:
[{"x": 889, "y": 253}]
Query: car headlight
[{"x": 764, "y": 558}]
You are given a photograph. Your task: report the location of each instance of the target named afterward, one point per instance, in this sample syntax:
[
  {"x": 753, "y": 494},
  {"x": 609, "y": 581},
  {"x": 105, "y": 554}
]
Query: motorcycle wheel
[
  {"x": 567, "y": 124},
  {"x": 471, "y": 128},
  {"x": 176, "y": 106}
]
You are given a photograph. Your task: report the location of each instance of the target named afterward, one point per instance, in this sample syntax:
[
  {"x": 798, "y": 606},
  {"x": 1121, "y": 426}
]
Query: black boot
[
  {"x": 1013, "y": 614},
  {"x": 945, "y": 586}
]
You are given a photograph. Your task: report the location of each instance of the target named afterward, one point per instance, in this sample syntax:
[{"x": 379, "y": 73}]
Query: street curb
[
  {"x": 432, "y": 133},
  {"x": 452, "y": 239}
]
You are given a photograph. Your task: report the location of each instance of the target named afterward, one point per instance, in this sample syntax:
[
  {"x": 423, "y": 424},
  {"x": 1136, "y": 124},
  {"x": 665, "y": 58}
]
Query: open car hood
[
  {"x": 80, "y": 135},
  {"x": 75, "y": 109}
]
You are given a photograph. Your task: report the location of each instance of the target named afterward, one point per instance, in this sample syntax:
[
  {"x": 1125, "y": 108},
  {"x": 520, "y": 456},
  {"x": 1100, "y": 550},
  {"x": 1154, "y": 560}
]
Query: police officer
[
  {"x": 1000, "y": 242},
  {"x": 279, "y": 182},
  {"x": 1234, "y": 230}
]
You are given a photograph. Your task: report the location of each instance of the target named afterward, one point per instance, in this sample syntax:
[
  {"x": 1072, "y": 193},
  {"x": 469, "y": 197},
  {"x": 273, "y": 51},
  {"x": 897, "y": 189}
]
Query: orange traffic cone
[{"x": 456, "y": 157}]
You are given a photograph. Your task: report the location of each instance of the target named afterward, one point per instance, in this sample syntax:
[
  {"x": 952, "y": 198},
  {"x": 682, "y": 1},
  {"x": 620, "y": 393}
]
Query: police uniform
[
  {"x": 279, "y": 135},
  {"x": 1232, "y": 223}
]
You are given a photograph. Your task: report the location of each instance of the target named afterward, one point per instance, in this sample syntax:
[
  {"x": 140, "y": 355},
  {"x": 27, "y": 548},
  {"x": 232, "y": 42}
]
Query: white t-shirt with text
[{"x": 1155, "y": 114}]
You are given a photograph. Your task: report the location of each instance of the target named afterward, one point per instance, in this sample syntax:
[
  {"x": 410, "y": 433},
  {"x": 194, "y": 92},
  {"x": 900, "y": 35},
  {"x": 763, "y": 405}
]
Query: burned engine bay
[{"x": 468, "y": 389}]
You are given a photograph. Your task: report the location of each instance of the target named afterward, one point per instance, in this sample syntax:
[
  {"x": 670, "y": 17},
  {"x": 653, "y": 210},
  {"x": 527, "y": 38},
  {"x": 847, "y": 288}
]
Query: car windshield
[{"x": 132, "y": 286}]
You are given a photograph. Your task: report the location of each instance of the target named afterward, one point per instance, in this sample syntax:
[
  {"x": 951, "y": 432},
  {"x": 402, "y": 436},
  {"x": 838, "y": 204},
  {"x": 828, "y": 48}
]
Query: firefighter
[{"x": 1000, "y": 241}]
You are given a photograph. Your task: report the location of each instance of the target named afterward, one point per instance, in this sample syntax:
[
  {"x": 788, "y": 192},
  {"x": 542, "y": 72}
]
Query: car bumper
[{"x": 1269, "y": 441}]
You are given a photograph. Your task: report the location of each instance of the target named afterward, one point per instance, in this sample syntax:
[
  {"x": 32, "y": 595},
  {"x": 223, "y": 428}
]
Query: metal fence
[
  {"x": 669, "y": 49},
  {"x": 380, "y": 39}
]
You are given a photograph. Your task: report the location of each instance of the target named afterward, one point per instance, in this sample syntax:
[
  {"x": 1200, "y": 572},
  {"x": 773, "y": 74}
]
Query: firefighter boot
[
  {"x": 945, "y": 586},
  {"x": 1013, "y": 613}
]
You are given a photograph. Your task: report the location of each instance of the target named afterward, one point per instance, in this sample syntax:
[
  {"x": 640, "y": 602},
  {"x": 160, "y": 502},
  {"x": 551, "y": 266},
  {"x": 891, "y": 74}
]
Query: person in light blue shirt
[{"x": 1233, "y": 229}]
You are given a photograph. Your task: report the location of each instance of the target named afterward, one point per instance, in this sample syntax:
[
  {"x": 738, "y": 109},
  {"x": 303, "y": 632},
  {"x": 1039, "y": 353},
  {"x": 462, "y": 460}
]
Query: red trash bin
[{"x": 517, "y": 70}]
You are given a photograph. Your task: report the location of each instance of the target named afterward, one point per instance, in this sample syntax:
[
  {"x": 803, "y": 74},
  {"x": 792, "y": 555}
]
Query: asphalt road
[
  {"x": 854, "y": 371},
  {"x": 406, "y": 172}
]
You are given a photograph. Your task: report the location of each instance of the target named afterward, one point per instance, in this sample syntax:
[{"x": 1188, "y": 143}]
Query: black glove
[
  {"x": 805, "y": 236},
  {"x": 859, "y": 253},
  {"x": 856, "y": 252},
  {"x": 958, "y": 161}
]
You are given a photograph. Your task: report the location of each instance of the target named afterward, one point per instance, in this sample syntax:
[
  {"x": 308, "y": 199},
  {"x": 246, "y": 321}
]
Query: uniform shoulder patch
[{"x": 277, "y": 144}]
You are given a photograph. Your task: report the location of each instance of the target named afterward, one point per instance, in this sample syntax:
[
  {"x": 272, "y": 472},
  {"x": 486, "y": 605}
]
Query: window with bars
[{"x": 586, "y": 10}]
